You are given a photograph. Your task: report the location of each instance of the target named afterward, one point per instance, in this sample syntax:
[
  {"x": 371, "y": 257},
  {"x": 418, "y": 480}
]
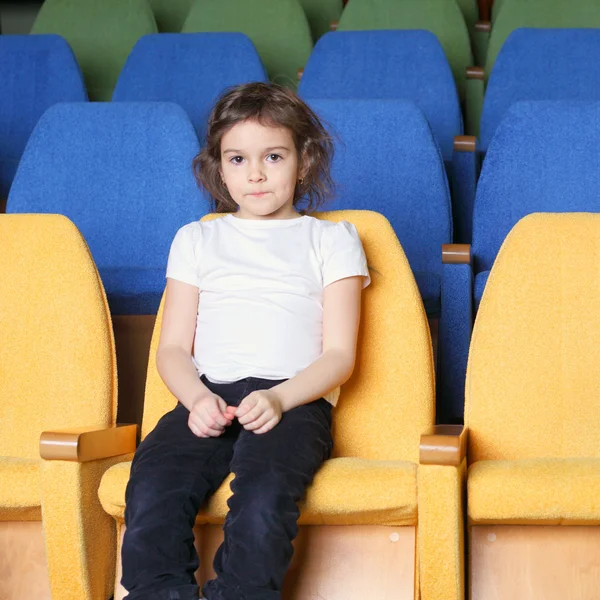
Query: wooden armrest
[
  {"x": 465, "y": 143},
  {"x": 443, "y": 445},
  {"x": 88, "y": 443},
  {"x": 475, "y": 73},
  {"x": 334, "y": 25},
  {"x": 300, "y": 73},
  {"x": 484, "y": 26},
  {"x": 456, "y": 254}
]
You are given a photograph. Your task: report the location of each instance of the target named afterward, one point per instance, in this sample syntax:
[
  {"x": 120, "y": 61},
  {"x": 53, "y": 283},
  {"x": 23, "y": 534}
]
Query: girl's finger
[
  {"x": 272, "y": 422},
  {"x": 259, "y": 422},
  {"x": 256, "y": 412}
]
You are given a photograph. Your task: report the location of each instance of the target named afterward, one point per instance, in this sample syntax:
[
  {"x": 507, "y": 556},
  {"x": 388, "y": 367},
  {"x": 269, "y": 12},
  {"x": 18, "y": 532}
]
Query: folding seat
[
  {"x": 36, "y": 72},
  {"x": 375, "y": 523},
  {"x": 59, "y": 396},
  {"x": 387, "y": 160},
  {"x": 541, "y": 64},
  {"x": 543, "y": 158},
  {"x": 532, "y": 414},
  {"x": 517, "y": 14},
  {"x": 400, "y": 64},
  {"x": 320, "y": 15},
  {"x": 122, "y": 173},
  {"x": 441, "y": 17},
  {"x": 278, "y": 28},
  {"x": 101, "y": 34},
  {"x": 170, "y": 15},
  {"x": 189, "y": 69}
]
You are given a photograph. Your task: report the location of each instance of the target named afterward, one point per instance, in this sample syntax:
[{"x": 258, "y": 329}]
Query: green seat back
[
  {"x": 470, "y": 12},
  {"x": 539, "y": 13},
  {"x": 101, "y": 34},
  {"x": 320, "y": 14},
  {"x": 278, "y": 28},
  {"x": 442, "y": 17},
  {"x": 170, "y": 15}
]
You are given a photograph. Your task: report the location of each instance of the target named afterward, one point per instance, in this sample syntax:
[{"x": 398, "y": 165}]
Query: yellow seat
[
  {"x": 373, "y": 491},
  {"x": 532, "y": 413},
  {"x": 57, "y": 372}
]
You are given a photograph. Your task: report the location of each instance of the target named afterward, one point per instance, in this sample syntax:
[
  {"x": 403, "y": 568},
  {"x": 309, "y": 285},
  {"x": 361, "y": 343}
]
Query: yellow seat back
[
  {"x": 533, "y": 379},
  {"x": 57, "y": 360},
  {"x": 389, "y": 401}
]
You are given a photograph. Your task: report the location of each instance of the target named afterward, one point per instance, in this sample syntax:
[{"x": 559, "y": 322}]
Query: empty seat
[
  {"x": 101, "y": 34},
  {"x": 190, "y": 69},
  {"x": 35, "y": 73},
  {"x": 541, "y": 64},
  {"x": 170, "y": 15},
  {"x": 58, "y": 373},
  {"x": 441, "y": 17},
  {"x": 278, "y": 28}
]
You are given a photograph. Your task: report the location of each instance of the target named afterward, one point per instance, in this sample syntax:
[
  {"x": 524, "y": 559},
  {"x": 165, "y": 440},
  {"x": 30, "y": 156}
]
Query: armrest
[
  {"x": 88, "y": 443},
  {"x": 456, "y": 254},
  {"x": 484, "y": 26},
  {"x": 334, "y": 25},
  {"x": 475, "y": 89},
  {"x": 444, "y": 445},
  {"x": 300, "y": 73}
]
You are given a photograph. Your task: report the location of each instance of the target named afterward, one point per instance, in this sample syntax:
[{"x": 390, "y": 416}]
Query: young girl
[{"x": 259, "y": 331}]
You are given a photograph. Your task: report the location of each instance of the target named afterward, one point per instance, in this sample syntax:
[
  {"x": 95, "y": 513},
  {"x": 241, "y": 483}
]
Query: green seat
[
  {"x": 101, "y": 34},
  {"x": 320, "y": 14},
  {"x": 470, "y": 12},
  {"x": 442, "y": 17},
  {"x": 539, "y": 13},
  {"x": 170, "y": 15},
  {"x": 278, "y": 28}
]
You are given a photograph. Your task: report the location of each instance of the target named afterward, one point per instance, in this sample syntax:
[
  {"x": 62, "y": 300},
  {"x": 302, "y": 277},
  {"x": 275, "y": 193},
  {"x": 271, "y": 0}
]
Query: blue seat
[
  {"x": 122, "y": 173},
  {"x": 387, "y": 160},
  {"x": 541, "y": 64},
  {"x": 543, "y": 157},
  {"x": 399, "y": 64},
  {"x": 191, "y": 69},
  {"x": 36, "y": 72}
]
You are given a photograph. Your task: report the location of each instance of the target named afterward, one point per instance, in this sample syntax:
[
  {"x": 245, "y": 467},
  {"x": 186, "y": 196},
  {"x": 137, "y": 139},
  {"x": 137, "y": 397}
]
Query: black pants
[{"x": 174, "y": 472}]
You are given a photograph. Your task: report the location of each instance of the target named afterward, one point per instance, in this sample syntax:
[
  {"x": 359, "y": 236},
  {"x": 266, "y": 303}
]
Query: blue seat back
[
  {"x": 544, "y": 157},
  {"x": 400, "y": 64},
  {"x": 387, "y": 160},
  {"x": 122, "y": 173},
  {"x": 191, "y": 69},
  {"x": 35, "y": 73},
  {"x": 541, "y": 64}
]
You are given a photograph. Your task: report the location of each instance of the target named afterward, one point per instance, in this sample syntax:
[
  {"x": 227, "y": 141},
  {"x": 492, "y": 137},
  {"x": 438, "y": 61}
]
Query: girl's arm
[
  {"x": 174, "y": 354},
  {"x": 341, "y": 318}
]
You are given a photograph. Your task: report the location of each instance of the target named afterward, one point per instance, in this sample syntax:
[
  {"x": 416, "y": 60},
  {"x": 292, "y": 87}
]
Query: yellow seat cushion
[
  {"x": 20, "y": 496},
  {"x": 346, "y": 491},
  {"x": 548, "y": 491}
]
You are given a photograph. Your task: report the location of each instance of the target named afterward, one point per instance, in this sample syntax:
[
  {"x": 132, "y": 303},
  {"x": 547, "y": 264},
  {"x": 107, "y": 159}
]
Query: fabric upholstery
[
  {"x": 346, "y": 491},
  {"x": 470, "y": 11},
  {"x": 395, "y": 64},
  {"x": 440, "y": 543},
  {"x": 320, "y": 14},
  {"x": 441, "y": 17},
  {"x": 528, "y": 170},
  {"x": 36, "y": 72},
  {"x": 532, "y": 380},
  {"x": 189, "y": 69},
  {"x": 479, "y": 286},
  {"x": 20, "y": 497},
  {"x": 170, "y": 15},
  {"x": 100, "y": 33},
  {"x": 540, "y": 14},
  {"x": 278, "y": 28},
  {"x": 405, "y": 181},
  {"x": 122, "y": 173},
  {"x": 58, "y": 371},
  {"x": 541, "y": 64},
  {"x": 535, "y": 491}
]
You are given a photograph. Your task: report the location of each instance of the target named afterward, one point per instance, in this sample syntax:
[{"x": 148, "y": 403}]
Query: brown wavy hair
[{"x": 272, "y": 105}]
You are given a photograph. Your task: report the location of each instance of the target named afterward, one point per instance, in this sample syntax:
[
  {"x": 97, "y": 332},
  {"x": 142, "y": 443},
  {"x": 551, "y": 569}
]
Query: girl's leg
[
  {"x": 173, "y": 472},
  {"x": 272, "y": 471}
]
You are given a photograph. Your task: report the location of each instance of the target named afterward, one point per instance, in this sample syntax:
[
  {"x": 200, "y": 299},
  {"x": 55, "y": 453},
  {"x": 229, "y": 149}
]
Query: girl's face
[{"x": 259, "y": 167}]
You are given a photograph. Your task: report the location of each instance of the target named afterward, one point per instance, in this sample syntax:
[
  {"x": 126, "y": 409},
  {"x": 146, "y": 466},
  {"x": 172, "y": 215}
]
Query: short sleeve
[
  {"x": 183, "y": 261},
  {"x": 343, "y": 254}
]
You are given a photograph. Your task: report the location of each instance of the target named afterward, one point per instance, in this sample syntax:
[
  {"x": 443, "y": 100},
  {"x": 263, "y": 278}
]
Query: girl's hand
[
  {"x": 209, "y": 416},
  {"x": 260, "y": 411}
]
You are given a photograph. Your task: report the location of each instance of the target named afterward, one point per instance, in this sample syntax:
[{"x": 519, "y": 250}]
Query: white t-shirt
[{"x": 260, "y": 309}]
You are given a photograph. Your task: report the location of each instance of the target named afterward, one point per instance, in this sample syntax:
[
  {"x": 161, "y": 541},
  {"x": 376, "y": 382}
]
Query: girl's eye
[
  {"x": 274, "y": 157},
  {"x": 236, "y": 160}
]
